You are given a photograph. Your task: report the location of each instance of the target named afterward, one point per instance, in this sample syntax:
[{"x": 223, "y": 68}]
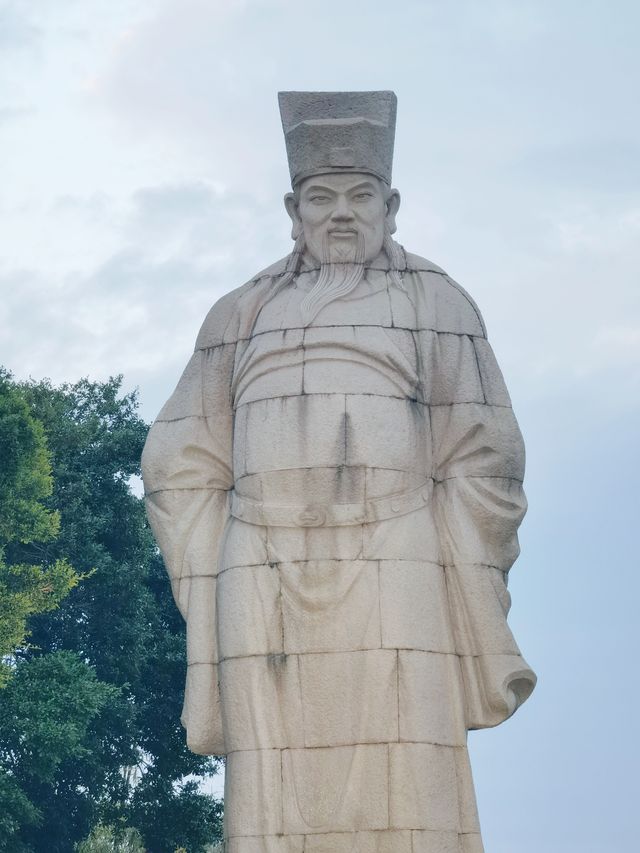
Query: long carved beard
[
  {"x": 336, "y": 279},
  {"x": 393, "y": 250}
]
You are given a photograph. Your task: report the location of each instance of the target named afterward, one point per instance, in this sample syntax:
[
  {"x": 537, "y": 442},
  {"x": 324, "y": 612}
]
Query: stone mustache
[{"x": 336, "y": 487}]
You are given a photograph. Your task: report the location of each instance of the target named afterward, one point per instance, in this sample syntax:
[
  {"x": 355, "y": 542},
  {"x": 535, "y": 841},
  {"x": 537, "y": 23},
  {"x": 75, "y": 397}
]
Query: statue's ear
[
  {"x": 291, "y": 206},
  {"x": 393, "y": 205}
]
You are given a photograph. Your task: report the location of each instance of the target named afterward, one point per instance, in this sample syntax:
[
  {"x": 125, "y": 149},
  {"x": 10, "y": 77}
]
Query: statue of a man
[{"x": 336, "y": 487}]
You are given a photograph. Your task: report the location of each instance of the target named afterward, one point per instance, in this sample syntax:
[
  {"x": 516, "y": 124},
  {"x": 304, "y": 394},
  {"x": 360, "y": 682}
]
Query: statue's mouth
[{"x": 341, "y": 233}]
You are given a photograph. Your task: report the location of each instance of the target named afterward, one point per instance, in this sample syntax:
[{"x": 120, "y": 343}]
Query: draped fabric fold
[{"x": 478, "y": 464}]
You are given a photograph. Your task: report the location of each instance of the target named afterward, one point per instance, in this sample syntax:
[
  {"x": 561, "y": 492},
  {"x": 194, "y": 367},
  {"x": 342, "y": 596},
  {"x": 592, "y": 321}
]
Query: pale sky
[{"x": 142, "y": 169}]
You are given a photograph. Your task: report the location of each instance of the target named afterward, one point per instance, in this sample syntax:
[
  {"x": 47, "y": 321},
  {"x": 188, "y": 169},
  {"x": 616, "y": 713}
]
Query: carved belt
[{"x": 331, "y": 515}]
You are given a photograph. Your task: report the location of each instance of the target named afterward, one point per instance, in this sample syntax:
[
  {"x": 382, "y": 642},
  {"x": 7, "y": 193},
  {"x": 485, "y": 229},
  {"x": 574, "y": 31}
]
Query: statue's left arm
[{"x": 478, "y": 468}]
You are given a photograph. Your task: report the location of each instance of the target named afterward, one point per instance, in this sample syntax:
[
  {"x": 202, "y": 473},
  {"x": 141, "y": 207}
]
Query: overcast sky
[{"x": 142, "y": 169}]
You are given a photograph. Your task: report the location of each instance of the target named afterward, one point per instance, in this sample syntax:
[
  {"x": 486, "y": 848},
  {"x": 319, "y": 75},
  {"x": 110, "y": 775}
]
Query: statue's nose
[{"x": 342, "y": 211}]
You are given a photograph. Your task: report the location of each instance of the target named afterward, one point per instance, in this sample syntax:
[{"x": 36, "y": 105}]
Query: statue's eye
[
  {"x": 364, "y": 196},
  {"x": 319, "y": 199}
]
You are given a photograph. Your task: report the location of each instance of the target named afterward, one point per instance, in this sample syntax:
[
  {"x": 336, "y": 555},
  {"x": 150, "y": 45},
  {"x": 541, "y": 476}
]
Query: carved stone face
[{"x": 338, "y": 212}]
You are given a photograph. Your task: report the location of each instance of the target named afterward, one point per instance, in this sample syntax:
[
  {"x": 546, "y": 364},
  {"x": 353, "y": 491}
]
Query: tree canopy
[
  {"x": 112, "y": 653},
  {"x": 25, "y": 485}
]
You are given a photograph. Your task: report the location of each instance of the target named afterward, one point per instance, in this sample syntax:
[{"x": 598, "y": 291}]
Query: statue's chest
[
  {"x": 341, "y": 359},
  {"x": 328, "y": 398}
]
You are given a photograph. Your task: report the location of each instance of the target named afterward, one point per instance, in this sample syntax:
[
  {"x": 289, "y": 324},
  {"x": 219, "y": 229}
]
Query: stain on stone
[
  {"x": 345, "y": 437},
  {"x": 277, "y": 661},
  {"x": 346, "y": 482}
]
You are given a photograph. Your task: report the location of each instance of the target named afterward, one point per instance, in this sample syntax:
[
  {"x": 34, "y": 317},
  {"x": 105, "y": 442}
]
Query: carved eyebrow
[
  {"x": 319, "y": 188},
  {"x": 365, "y": 185},
  {"x": 323, "y": 188}
]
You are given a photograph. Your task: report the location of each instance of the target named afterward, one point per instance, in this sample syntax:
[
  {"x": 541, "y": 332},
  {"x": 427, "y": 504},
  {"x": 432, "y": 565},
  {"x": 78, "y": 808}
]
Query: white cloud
[
  {"x": 17, "y": 29},
  {"x": 137, "y": 310},
  {"x": 8, "y": 114},
  {"x": 113, "y": 321},
  {"x": 194, "y": 71},
  {"x": 599, "y": 232},
  {"x": 619, "y": 346}
]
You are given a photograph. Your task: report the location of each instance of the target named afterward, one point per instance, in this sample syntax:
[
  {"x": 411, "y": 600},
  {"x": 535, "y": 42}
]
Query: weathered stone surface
[
  {"x": 327, "y": 131},
  {"x": 434, "y": 841},
  {"x": 366, "y": 681},
  {"x": 390, "y": 430},
  {"x": 330, "y": 605},
  {"x": 336, "y": 488},
  {"x": 249, "y": 774},
  {"x": 306, "y": 431},
  {"x": 412, "y": 537},
  {"x": 274, "y": 722},
  {"x": 271, "y": 365},
  {"x": 365, "y": 842},
  {"x": 422, "y": 675},
  {"x": 413, "y": 606},
  {"x": 423, "y": 787},
  {"x": 267, "y": 844},
  {"x": 335, "y": 789},
  {"x": 254, "y": 588},
  {"x": 314, "y": 543}
]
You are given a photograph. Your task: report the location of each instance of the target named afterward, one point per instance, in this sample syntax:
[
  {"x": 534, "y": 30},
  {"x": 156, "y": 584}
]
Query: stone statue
[{"x": 336, "y": 486}]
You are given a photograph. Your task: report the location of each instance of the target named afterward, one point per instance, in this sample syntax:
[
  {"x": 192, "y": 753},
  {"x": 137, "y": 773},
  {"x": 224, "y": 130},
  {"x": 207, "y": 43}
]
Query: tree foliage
[
  {"x": 175, "y": 815},
  {"x": 25, "y": 471},
  {"x": 46, "y": 713},
  {"x": 109, "y": 839},
  {"x": 25, "y": 485},
  {"x": 125, "y": 762}
]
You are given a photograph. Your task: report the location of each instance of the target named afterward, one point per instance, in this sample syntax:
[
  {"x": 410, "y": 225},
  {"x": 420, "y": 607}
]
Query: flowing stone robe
[{"x": 339, "y": 667}]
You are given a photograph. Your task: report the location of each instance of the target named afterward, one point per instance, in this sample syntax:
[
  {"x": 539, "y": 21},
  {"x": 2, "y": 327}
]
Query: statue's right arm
[
  {"x": 187, "y": 470},
  {"x": 187, "y": 473}
]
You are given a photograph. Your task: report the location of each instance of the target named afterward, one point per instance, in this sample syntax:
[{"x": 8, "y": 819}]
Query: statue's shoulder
[
  {"x": 415, "y": 263},
  {"x": 224, "y": 322},
  {"x": 448, "y": 304}
]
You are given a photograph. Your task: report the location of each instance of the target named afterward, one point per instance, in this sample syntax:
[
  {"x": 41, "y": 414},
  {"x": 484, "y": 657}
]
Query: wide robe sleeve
[
  {"x": 187, "y": 473},
  {"x": 478, "y": 468}
]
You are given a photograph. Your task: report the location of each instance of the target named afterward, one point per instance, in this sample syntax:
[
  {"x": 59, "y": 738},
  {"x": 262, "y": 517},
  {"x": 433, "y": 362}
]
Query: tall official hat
[{"x": 338, "y": 132}]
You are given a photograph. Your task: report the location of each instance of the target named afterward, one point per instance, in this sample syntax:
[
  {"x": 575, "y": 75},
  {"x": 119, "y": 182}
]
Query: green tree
[
  {"x": 120, "y": 621},
  {"x": 16, "y": 811},
  {"x": 47, "y": 706},
  {"x": 46, "y": 714},
  {"x": 175, "y": 815},
  {"x": 108, "y": 839},
  {"x": 25, "y": 470},
  {"x": 25, "y": 485}
]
